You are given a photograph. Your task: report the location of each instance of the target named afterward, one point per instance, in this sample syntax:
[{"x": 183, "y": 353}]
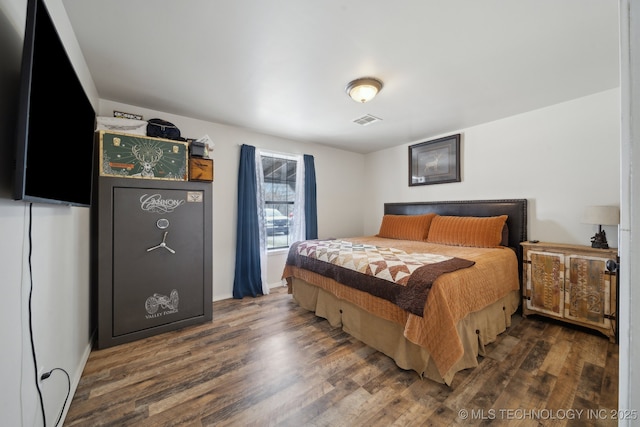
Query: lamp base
[{"x": 599, "y": 241}]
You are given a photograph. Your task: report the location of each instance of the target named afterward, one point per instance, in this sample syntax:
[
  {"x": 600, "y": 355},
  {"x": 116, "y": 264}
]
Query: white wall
[
  {"x": 60, "y": 258},
  {"x": 339, "y": 176},
  {"x": 11, "y": 221},
  {"x": 60, "y": 306},
  {"x": 561, "y": 158},
  {"x": 628, "y": 371}
]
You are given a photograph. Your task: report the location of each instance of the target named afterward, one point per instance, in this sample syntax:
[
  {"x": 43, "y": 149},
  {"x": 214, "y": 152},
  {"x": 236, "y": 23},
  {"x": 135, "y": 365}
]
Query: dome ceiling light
[{"x": 363, "y": 89}]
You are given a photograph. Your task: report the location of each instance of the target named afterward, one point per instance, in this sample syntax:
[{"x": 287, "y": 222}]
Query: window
[{"x": 279, "y": 196}]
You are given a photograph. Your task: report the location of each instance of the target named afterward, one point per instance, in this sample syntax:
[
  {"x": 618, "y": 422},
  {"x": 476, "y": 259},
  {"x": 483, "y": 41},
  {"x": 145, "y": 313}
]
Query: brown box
[{"x": 200, "y": 169}]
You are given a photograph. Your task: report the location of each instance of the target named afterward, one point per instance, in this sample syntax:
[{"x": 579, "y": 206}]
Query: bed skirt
[{"x": 476, "y": 330}]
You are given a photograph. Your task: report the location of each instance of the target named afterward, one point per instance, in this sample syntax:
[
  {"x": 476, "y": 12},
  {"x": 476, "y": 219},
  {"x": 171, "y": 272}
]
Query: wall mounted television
[{"x": 55, "y": 120}]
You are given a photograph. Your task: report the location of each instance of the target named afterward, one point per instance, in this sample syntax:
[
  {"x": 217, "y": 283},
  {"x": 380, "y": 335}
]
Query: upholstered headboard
[{"x": 516, "y": 209}]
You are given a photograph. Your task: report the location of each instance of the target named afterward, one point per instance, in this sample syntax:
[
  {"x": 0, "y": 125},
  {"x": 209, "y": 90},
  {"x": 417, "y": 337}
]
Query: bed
[{"x": 435, "y": 285}]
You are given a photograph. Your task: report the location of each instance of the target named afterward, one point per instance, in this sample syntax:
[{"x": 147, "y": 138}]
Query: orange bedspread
[{"x": 452, "y": 296}]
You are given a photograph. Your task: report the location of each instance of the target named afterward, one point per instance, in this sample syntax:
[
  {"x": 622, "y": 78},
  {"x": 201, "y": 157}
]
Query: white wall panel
[{"x": 561, "y": 158}]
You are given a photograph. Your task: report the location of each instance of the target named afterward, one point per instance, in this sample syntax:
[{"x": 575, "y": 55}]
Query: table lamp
[{"x": 601, "y": 215}]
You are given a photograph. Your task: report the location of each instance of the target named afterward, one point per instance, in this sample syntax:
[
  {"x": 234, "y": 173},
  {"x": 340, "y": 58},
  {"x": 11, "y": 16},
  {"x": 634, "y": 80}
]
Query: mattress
[{"x": 464, "y": 309}]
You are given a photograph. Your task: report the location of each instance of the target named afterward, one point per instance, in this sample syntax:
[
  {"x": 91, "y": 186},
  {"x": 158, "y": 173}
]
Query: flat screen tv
[{"x": 55, "y": 120}]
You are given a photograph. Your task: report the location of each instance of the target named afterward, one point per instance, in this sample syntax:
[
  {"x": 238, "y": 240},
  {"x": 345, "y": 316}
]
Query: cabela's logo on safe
[{"x": 155, "y": 203}]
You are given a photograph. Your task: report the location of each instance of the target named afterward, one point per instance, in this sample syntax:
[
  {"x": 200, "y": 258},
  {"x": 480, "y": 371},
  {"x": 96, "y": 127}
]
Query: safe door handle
[{"x": 162, "y": 244}]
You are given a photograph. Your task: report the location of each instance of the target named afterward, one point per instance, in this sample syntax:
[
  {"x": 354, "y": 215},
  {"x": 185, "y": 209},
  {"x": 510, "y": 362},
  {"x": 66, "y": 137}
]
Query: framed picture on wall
[{"x": 435, "y": 162}]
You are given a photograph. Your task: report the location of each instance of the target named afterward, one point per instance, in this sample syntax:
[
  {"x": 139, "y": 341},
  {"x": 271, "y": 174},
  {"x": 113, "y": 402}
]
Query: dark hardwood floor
[{"x": 266, "y": 362}]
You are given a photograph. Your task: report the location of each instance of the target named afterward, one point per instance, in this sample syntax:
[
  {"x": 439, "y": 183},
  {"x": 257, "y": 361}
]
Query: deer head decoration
[{"x": 148, "y": 156}]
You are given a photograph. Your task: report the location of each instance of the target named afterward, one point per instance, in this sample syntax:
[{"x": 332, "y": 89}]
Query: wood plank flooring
[{"x": 266, "y": 362}]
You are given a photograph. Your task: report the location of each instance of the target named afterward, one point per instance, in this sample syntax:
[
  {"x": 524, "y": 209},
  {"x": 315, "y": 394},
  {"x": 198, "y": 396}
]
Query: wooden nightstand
[{"x": 571, "y": 283}]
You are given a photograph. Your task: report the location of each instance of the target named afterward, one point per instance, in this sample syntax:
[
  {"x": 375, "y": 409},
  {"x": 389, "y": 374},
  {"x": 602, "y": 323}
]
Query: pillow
[
  {"x": 481, "y": 232},
  {"x": 117, "y": 124},
  {"x": 406, "y": 227}
]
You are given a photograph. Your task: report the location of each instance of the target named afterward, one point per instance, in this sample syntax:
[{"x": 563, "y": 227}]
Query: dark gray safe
[{"x": 152, "y": 257}]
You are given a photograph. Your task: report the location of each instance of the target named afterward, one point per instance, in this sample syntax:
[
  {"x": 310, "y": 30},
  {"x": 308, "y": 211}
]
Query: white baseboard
[{"x": 75, "y": 378}]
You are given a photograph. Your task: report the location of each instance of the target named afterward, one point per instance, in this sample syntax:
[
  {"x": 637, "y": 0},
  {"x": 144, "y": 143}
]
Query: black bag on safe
[{"x": 159, "y": 128}]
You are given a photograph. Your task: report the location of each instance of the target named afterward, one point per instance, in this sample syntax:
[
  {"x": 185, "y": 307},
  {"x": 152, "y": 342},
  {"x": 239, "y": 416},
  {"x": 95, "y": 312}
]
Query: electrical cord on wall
[
  {"x": 33, "y": 347},
  {"x": 44, "y": 375}
]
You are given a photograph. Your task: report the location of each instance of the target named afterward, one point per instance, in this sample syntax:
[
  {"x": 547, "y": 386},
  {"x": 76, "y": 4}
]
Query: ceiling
[{"x": 280, "y": 67}]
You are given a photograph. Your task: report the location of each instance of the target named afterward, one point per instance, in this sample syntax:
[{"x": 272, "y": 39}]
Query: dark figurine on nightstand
[{"x": 600, "y": 240}]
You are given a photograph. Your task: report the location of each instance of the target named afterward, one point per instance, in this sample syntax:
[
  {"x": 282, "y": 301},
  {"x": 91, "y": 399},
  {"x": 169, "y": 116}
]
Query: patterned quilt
[{"x": 397, "y": 276}]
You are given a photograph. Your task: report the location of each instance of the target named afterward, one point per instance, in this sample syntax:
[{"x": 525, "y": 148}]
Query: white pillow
[{"x": 116, "y": 124}]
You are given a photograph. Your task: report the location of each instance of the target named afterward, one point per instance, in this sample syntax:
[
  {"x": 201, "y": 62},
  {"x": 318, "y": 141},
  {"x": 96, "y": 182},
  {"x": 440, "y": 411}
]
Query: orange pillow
[
  {"x": 481, "y": 232},
  {"x": 406, "y": 227}
]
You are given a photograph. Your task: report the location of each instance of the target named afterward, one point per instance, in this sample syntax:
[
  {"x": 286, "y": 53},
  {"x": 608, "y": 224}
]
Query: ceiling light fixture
[{"x": 363, "y": 89}]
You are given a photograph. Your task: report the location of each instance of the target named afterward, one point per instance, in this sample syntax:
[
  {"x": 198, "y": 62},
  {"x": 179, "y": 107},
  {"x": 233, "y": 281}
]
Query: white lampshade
[
  {"x": 364, "y": 89},
  {"x": 602, "y": 215}
]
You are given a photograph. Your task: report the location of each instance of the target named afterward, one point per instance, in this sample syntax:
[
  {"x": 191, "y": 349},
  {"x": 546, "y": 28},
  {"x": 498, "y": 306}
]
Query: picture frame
[{"x": 435, "y": 162}]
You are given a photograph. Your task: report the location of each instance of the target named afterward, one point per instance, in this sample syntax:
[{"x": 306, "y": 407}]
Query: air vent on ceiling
[{"x": 367, "y": 119}]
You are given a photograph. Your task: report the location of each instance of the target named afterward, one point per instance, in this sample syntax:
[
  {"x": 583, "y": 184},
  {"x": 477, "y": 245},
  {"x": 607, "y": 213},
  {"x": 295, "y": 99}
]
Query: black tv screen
[{"x": 56, "y": 121}]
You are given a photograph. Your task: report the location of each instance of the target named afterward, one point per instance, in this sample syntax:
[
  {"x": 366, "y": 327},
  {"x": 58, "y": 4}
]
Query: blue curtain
[
  {"x": 247, "y": 279},
  {"x": 310, "y": 204}
]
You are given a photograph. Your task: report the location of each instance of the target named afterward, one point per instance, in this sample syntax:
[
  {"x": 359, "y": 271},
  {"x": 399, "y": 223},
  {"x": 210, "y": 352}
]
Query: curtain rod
[{"x": 278, "y": 153}]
